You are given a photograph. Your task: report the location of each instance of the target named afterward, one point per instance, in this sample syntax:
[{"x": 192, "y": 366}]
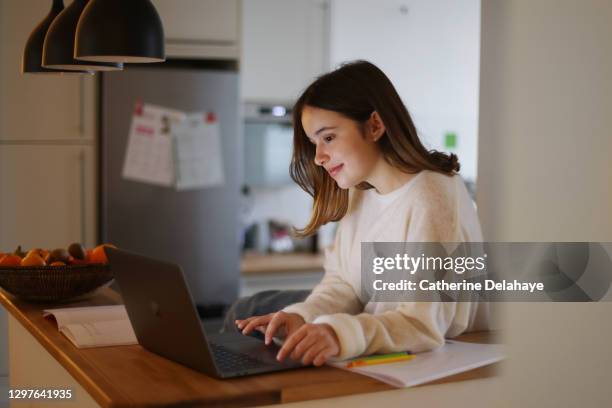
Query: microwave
[{"x": 268, "y": 144}]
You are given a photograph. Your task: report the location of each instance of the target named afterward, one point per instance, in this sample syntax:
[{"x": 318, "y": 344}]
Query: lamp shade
[
  {"x": 58, "y": 48},
  {"x": 31, "y": 62},
  {"x": 120, "y": 31}
]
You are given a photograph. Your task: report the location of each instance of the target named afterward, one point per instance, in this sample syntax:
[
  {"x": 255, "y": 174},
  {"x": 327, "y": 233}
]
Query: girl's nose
[{"x": 320, "y": 157}]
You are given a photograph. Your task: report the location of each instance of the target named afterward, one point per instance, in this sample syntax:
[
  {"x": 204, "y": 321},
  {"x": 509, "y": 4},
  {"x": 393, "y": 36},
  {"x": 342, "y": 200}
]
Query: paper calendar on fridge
[
  {"x": 198, "y": 155},
  {"x": 149, "y": 153}
]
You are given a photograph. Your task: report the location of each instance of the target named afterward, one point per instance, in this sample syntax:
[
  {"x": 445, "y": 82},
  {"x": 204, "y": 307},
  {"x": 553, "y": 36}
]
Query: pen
[{"x": 376, "y": 361}]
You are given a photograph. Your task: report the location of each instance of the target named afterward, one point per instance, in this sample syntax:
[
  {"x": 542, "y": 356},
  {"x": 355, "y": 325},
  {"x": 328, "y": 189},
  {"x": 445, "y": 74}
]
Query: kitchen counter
[
  {"x": 131, "y": 376},
  {"x": 256, "y": 263}
]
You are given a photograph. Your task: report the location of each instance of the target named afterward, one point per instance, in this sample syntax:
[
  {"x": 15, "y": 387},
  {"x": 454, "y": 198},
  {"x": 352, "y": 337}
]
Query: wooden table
[{"x": 130, "y": 376}]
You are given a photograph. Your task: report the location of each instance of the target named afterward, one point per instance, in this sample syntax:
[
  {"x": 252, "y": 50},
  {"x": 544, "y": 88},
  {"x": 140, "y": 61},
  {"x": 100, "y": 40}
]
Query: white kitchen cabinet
[
  {"x": 48, "y": 196},
  {"x": 200, "y": 28},
  {"x": 39, "y": 106},
  {"x": 284, "y": 47}
]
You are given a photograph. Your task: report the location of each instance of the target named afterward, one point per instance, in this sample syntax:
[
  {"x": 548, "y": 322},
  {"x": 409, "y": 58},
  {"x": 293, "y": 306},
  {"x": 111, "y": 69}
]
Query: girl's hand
[
  {"x": 312, "y": 343},
  {"x": 269, "y": 324}
]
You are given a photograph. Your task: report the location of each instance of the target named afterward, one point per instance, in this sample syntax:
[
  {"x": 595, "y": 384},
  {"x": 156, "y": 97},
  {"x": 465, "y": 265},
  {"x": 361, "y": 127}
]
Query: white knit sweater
[{"x": 431, "y": 207}]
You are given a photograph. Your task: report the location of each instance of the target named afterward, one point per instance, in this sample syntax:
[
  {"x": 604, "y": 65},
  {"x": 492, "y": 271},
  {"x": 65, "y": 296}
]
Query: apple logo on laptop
[{"x": 154, "y": 308}]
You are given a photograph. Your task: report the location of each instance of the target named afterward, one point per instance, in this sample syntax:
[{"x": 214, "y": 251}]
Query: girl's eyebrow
[
  {"x": 319, "y": 131},
  {"x": 324, "y": 128}
]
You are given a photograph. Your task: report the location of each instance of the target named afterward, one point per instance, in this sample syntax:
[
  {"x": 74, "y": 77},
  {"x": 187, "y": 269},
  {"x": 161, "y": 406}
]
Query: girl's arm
[
  {"x": 412, "y": 326},
  {"x": 333, "y": 294}
]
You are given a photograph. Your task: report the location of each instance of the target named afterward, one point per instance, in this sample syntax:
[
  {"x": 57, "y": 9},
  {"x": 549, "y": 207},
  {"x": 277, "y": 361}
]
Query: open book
[
  {"x": 94, "y": 326},
  {"x": 452, "y": 358}
]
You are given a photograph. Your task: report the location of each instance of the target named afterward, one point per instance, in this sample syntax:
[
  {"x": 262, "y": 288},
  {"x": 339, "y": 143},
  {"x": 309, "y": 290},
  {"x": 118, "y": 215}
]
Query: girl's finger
[
  {"x": 313, "y": 352},
  {"x": 290, "y": 343},
  {"x": 258, "y": 321},
  {"x": 322, "y": 357},
  {"x": 276, "y": 322},
  {"x": 240, "y": 323},
  {"x": 303, "y": 346}
]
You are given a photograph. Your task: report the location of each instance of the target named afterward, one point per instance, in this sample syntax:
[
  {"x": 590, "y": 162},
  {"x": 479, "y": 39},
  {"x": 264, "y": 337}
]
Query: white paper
[
  {"x": 100, "y": 334},
  {"x": 95, "y": 326},
  {"x": 453, "y": 358},
  {"x": 198, "y": 155},
  {"x": 149, "y": 151}
]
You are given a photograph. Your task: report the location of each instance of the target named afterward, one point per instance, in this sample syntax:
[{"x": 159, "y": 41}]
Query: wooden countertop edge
[
  {"x": 304, "y": 393},
  {"x": 69, "y": 363}
]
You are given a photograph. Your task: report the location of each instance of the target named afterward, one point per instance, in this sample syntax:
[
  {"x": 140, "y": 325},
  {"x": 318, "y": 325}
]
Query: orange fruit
[
  {"x": 77, "y": 261},
  {"x": 38, "y": 251},
  {"x": 98, "y": 255},
  {"x": 10, "y": 260},
  {"x": 33, "y": 259},
  {"x": 57, "y": 263},
  {"x": 88, "y": 255}
]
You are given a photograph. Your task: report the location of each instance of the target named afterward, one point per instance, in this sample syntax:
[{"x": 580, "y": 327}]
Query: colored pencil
[{"x": 362, "y": 363}]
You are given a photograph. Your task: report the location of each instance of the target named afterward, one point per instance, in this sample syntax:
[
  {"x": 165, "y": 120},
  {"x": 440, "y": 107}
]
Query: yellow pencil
[{"x": 361, "y": 363}]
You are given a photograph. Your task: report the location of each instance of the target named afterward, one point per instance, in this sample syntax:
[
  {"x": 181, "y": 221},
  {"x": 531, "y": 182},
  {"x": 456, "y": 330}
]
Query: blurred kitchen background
[
  {"x": 75, "y": 129},
  {"x": 519, "y": 90}
]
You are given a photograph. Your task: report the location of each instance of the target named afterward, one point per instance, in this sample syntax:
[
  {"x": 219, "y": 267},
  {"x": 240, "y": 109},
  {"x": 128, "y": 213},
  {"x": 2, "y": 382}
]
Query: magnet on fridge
[
  {"x": 211, "y": 117},
  {"x": 450, "y": 140},
  {"x": 138, "y": 107}
]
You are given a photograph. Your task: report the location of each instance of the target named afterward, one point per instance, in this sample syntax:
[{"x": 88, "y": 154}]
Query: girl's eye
[{"x": 328, "y": 138}]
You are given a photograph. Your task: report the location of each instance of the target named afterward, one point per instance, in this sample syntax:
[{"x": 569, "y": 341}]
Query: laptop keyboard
[{"x": 228, "y": 360}]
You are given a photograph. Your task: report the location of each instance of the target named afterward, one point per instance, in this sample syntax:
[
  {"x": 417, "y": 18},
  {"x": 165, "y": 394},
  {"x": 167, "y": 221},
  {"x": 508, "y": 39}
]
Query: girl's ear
[{"x": 377, "y": 127}]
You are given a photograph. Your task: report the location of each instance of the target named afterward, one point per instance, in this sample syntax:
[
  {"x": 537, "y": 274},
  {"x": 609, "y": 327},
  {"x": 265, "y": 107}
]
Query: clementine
[
  {"x": 10, "y": 260},
  {"x": 77, "y": 261},
  {"x": 33, "y": 259},
  {"x": 98, "y": 255}
]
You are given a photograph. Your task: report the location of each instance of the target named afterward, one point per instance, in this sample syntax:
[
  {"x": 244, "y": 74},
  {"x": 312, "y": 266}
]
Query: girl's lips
[{"x": 335, "y": 170}]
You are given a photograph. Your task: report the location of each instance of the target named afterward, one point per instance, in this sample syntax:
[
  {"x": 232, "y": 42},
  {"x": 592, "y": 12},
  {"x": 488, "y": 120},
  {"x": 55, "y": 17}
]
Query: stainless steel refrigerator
[{"x": 198, "y": 229}]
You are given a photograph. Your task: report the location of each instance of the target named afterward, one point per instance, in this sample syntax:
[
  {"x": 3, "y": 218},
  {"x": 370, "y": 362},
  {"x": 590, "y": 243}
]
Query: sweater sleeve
[
  {"x": 333, "y": 294},
  {"x": 413, "y": 326}
]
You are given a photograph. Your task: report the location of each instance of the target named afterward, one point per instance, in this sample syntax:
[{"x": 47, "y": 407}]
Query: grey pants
[{"x": 261, "y": 303}]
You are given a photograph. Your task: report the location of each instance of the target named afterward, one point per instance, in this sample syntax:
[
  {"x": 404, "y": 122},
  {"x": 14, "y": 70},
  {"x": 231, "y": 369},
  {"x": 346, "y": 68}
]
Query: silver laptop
[{"x": 166, "y": 322}]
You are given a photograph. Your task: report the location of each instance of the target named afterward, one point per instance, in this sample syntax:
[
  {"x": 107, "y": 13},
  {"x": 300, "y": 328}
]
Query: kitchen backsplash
[{"x": 288, "y": 205}]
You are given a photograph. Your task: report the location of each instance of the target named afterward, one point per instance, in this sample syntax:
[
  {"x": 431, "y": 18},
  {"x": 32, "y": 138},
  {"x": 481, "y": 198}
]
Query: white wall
[
  {"x": 545, "y": 121},
  {"x": 545, "y": 174},
  {"x": 430, "y": 51}
]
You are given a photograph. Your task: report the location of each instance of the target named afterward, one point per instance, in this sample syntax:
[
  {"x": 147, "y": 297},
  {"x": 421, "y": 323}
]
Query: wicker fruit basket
[{"x": 54, "y": 283}]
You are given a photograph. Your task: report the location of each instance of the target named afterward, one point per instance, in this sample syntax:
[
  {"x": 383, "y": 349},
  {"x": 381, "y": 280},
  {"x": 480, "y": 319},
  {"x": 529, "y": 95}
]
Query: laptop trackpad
[{"x": 248, "y": 345}]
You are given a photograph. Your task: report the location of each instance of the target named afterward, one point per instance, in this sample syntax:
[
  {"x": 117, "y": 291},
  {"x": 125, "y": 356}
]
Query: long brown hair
[{"x": 356, "y": 90}]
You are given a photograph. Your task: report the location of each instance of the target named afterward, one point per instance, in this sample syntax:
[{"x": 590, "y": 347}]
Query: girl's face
[{"x": 348, "y": 152}]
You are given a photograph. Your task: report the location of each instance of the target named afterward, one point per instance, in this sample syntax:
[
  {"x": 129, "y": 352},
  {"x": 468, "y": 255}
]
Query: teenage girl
[{"x": 357, "y": 153}]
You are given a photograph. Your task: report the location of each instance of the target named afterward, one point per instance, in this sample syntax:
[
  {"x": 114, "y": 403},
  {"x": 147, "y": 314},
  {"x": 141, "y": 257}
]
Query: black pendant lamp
[
  {"x": 120, "y": 31},
  {"x": 31, "y": 62},
  {"x": 58, "y": 49}
]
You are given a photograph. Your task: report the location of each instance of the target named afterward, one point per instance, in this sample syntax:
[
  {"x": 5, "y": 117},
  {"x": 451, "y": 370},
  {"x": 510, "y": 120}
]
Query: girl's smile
[{"x": 335, "y": 170}]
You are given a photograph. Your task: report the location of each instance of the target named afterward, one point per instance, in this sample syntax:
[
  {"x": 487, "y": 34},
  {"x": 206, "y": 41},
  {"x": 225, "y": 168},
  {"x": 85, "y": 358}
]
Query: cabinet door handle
[
  {"x": 81, "y": 107},
  {"x": 83, "y": 198}
]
